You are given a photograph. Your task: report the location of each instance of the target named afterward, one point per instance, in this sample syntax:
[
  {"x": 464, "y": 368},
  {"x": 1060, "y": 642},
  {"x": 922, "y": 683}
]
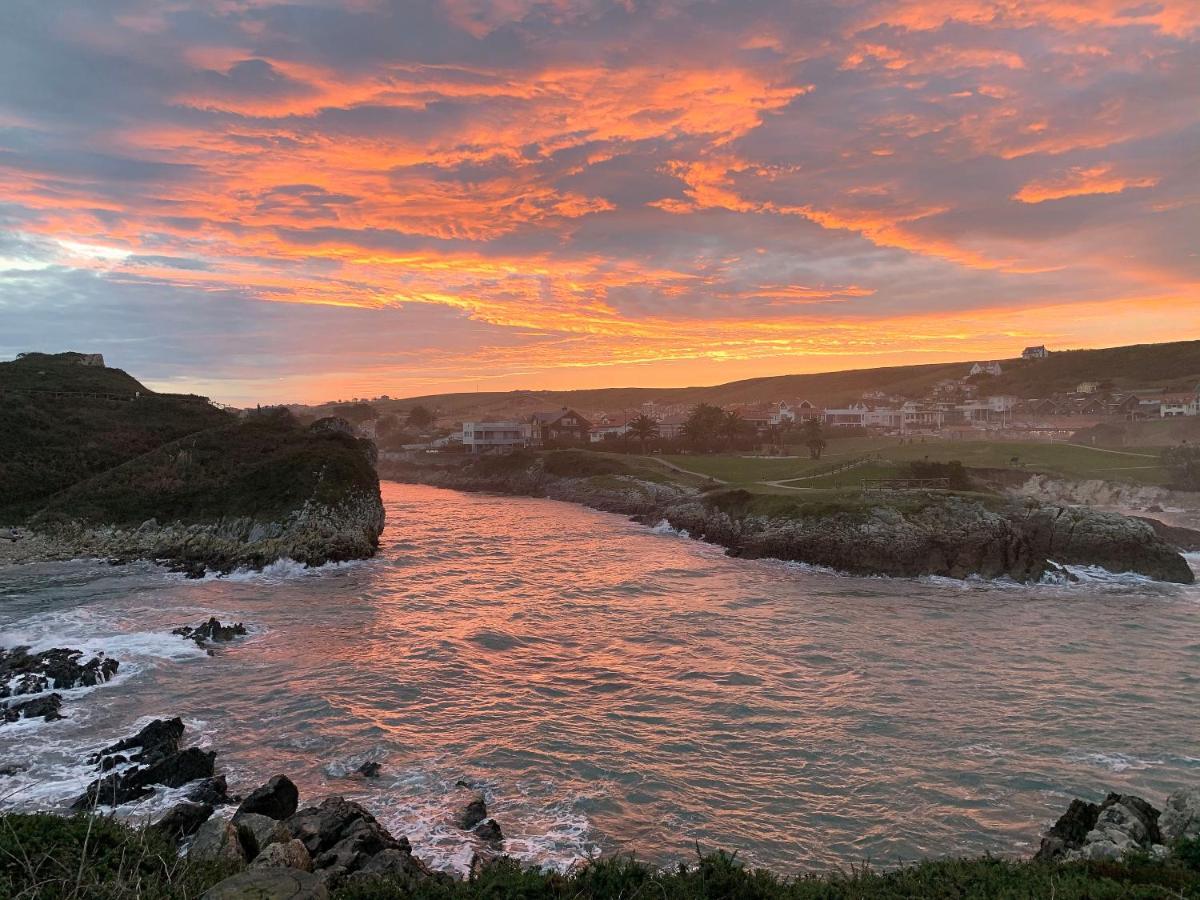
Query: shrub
[{"x": 581, "y": 464}]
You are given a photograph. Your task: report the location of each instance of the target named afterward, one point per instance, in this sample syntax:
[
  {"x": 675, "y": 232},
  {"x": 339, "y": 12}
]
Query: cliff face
[
  {"x": 947, "y": 535},
  {"x": 242, "y": 495}
]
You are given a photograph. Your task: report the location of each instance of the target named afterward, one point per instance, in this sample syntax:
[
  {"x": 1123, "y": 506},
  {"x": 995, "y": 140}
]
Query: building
[
  {"x": 607, "y": 432},
  {"x": 985, "y": 368},
  {"x": 495, "y": 437},
  {"x": 1087, "y": 387},
  {"x": 564, "y": 426},
  {"x": 1039, "y": 352},
  {"x": 1174, "y": 405}
]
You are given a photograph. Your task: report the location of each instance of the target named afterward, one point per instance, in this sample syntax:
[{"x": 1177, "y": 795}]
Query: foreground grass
[{"x": 80, "y": 858}]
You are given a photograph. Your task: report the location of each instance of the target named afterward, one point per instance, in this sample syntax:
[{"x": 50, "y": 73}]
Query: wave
[
  {"x": 665, "y": 527},
  {"x": 283, "y": 569}
]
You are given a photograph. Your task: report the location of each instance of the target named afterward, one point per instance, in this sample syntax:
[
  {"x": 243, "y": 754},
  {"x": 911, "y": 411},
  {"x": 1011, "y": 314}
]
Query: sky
[{"x": 298, "y": 200}]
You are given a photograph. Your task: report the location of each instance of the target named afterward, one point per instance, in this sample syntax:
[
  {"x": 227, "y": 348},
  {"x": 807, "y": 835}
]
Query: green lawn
[{"x": 1138, "y": 466}]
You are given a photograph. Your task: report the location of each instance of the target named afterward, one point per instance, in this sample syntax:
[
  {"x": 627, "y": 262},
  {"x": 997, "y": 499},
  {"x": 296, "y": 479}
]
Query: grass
[
  {"x": 1135, "y": 465},
  {"x": 80, "y": 858}
]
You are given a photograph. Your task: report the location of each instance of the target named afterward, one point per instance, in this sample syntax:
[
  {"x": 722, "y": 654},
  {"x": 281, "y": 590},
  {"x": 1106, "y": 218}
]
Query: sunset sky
[{"x": 295, "y": 200}]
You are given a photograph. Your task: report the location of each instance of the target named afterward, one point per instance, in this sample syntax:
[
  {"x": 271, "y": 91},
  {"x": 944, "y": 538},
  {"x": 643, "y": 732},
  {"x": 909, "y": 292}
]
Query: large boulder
[
  {"x": 285, "y": 855},
  {"x": 1070, "y": 831},
  {"x": 489, "y": 831},
  {"x": 174, "y": 771},
  {"x": 155, "y": 741},
  {"x": 257, "y": 833},
  {"x": 211, "y": 631},
  {"x": 268, "y": 884},
  {"x": 343, "y": 838},
  {"x": 183, "y": 819},
  {"x": 1125, "y": 823},
  {"x": 474, "y": 812},
  {"x": 1181, "y": 816},
  {"x": 217, "y": 839},
  {"x": 277, "y": 799}
]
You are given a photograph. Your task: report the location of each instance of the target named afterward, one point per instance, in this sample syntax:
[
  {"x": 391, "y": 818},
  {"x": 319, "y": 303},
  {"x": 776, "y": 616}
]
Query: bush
[
  {"x": 581, "y": 464},
  {"x": 953, "y": 470},
  {"x": 1183, "y": 464},
  {"x": 50, "y": 857}
]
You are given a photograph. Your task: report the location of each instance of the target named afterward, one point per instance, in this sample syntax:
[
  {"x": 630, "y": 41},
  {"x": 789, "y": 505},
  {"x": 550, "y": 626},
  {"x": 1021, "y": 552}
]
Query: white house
[
  {"x": 606, "y": 432},
  {"x": 985, "y": 368},
  {"x": 1174, "y": 405},
  {"x": 1038, "y": 352},
  {"x": 1087, "y": 387},
  {"x": 495, "y": 437}
]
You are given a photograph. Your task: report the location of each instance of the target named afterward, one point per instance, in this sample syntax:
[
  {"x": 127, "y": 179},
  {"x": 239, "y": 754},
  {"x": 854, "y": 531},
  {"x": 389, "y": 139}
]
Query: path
[{"x": 681, "y": 469}]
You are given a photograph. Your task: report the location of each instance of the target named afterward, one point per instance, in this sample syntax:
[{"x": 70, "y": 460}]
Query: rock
[
  {"x": 154, "y": 742},
  {"x": 399, "y": 867},
  {"x": 268, "y": 884},
  {"x": 175, "y": 770},
  {"x": 473, "y": 813},
  {"x": 212, "y": 791},
  {"x": 47, "y": 708},
  {"x": 218, "y": 840},
  {"x": 369, "y": 770},
  {"x": 212, "y": 630},
  {"x": 277, "y": 799},
  {"x": 284, "y": 855},
  {"x": 1069, "y": 832},
  {"x": 22, "y": 672},
  {"x": 1125, "y": 823},
  {"x": 183, "y": 819},
  {"x": 1181, "y": 816},
  {"x": 258, "y": 832},
  {"x": 343, "y": 838},
  {"x": 8, "y": 770},
  {"x": 489, "y": 830}
]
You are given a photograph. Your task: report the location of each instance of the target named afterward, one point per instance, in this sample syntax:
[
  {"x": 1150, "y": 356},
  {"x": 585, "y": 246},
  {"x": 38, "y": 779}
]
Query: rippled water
[{"x": 614, "y": 687}]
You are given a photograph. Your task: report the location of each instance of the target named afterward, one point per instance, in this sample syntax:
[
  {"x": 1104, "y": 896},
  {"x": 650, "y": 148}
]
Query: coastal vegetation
[{"x": 81, "y": 857}]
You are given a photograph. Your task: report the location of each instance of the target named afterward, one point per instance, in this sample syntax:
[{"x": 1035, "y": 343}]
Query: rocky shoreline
[
  {"x": 313, "y": 535},
  {"x": 947, "y": 535}
]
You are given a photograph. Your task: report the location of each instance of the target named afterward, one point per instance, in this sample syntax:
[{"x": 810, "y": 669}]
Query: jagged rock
[
  {"x": 1069, "y": 832},
  {"x": 369, "y": 770},
  {"x": 212, "y": 630},
  {"x": 217, "y": 839},
  {"x": 489, "y": 830},
  {"x": 175, "y": 770},
  {"x": 8, "y": 770},
  {"x": 473, "y": 813},
  {"x": 47, "y": 707},
  {"x": 268, "y": 884},
  {"x": 277, "y": 799},
  {"x": 284, "y": 855},
  {"x": 22, "y": 672},
  {"x": 213, "y": 791},
  {"x": 343, "y": 838},
  {"x": 399, "y": 867},
  {"x": 154, "y": 742},
  {"x": 1181, "y": 816},
  {"x": 259, "y": 832},
  {"x": 183, "y": 819},
  {"x": 1125, "y": 823}
]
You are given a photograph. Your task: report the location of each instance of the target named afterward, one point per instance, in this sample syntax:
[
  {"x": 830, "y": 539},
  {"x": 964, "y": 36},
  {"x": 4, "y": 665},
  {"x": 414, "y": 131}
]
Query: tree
[
  {"x": 704, "y": 425},
  {"x": 355, "y": 413},
  {"x": 644, "y": 429},
  {"x": 814, "y": 438},
  {"x": 420, "y": 417},
  {"x": 733, "y": 426},
  {"x": 1183, "y": 462}
]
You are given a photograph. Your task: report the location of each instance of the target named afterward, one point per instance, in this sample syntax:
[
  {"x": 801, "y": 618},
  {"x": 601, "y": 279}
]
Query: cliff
[{"x": 909, "y": 535}]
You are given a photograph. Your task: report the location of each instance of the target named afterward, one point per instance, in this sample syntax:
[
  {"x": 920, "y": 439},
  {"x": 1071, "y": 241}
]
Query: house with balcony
[
  {"x": 564, "y": 426},
  {"x": 495, "y": 437}
]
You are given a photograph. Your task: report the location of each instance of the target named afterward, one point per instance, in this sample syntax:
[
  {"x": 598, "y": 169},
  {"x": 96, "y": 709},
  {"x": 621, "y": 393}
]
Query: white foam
[
  {"x": 281, "y": 570},
  {"x": 665, "y": 527},
  {"x": 1116, "y": 762}
]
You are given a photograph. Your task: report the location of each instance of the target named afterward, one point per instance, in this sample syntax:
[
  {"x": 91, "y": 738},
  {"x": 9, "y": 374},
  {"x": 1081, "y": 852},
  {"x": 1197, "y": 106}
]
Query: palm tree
[
  {"x": 732, "y": 426},
  {"x": 644, "y": 429}
]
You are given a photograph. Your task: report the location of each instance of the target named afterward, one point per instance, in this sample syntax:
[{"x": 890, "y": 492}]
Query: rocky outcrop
[
  {"x": 47, "y": 708},
  {"x": 313, "y": 535},
  {"x": 906, "y": 536},
  {"x": 150, "y": 759},
  {"x": 60, "y": 669},
  {"x": 211, "y": 631},
  {"x": 268, "y": 884},
  {"x": 1121, "y": 825},
  {"x": 277, "y": 799}
]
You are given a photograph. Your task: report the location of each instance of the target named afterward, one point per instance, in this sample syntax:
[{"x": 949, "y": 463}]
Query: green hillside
[
  {"x": 1172, "y": 366},
  {"x": 49, "y": 442}
]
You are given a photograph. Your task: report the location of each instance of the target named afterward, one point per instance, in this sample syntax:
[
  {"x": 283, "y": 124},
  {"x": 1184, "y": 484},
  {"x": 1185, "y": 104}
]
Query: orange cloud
[{"x": 1081, "y": 181}]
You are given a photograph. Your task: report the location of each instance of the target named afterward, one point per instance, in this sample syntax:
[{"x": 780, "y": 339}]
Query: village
[{"x": 961, "y": 408}]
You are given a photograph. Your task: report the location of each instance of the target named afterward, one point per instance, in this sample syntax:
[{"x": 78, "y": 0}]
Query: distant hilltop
[{"x": 83, "y": 359}]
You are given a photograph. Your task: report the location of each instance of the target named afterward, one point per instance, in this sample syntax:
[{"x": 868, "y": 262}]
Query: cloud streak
[{"x": 665, "y": 191}]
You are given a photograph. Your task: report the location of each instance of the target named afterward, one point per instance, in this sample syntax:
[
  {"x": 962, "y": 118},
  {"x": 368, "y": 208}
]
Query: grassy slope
[
  {"x": 48, "y": 444},
  {"x": 1175, "y": 365},
  {"x": 1138, "y": 466},
  {"x": 261, "y": 468},
  {"x": 49, "y": 857}
]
